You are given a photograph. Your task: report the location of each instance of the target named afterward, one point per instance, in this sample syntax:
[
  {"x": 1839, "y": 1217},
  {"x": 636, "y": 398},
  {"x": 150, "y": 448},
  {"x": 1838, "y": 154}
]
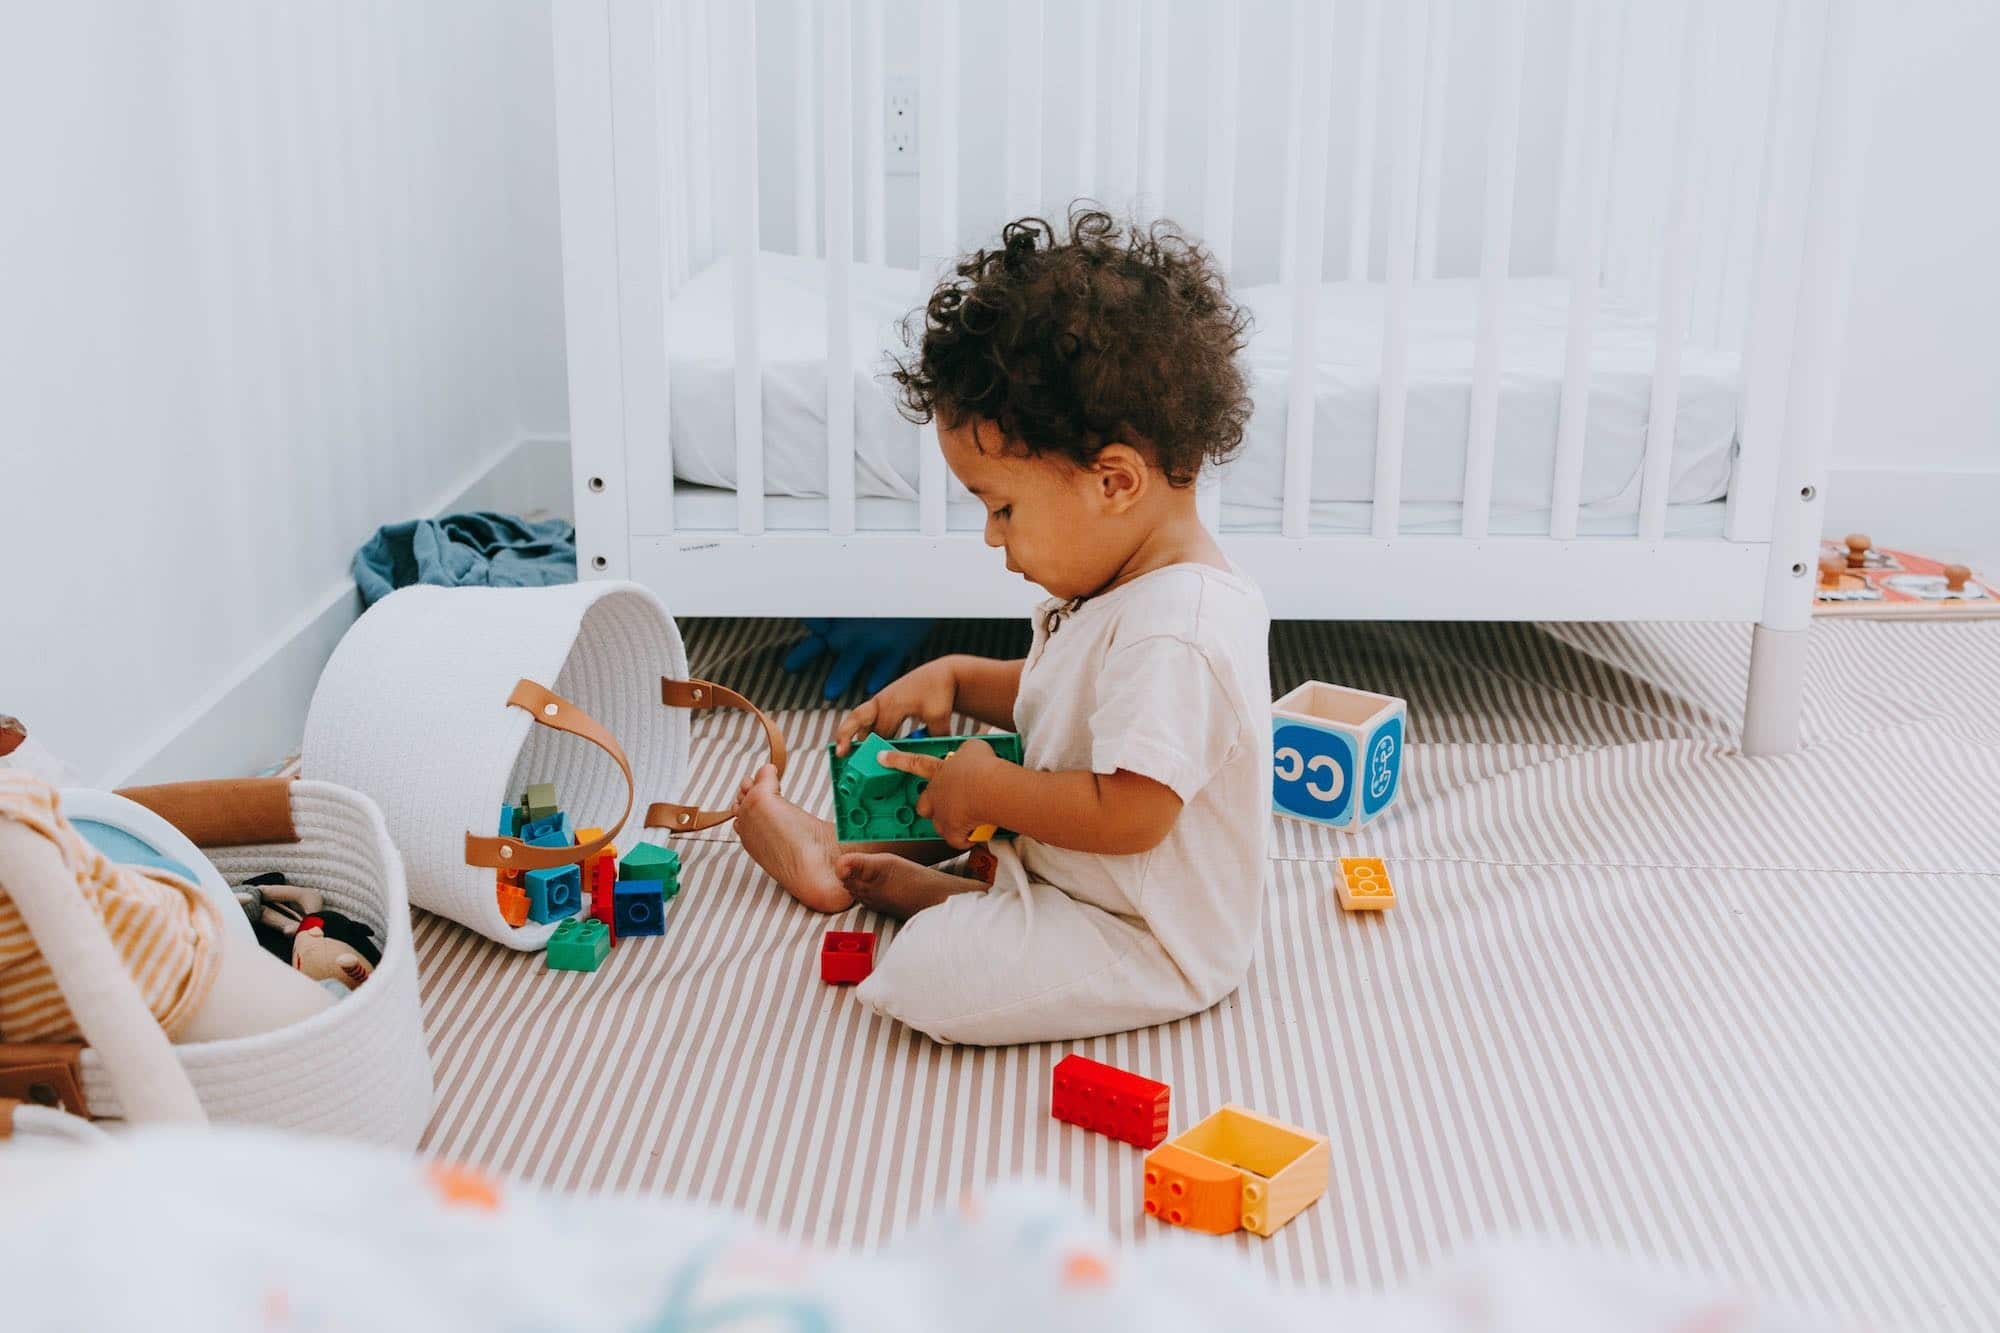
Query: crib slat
[
  {"x": 1122, "y": 137},
  {"x": 874, "y": 223},
  {"x": 648, "y": 481},
  {"x": 1437, "y": 67},
  {"x": 1024, "y": 107},
  {"x": 1153, "y": 155},
  {"x": 937, "y": 210},
  {"x": 1091, "y": 19},
  {"x": 1218, "y": 200},
  {"x": 743, "y": 228},
  {"x": 1575, "y": 134},
  {"x": 805, "y": 133},
  {"x": 1308, "y": 261},
  {"x": 1496, "y": 247},
  {"x": 1361, "y": 190},
  {"x": 1392, "y": 414},
  {"x": 1585, "y": 226},
  {"x": 1676, "y": 283},
  {"x": 1295, "y": 131},
  {"x": 669, "y": 46},
  {"x": 837, "y": 151},
  {"x": 701, "y": 134},
  {"x": 1772, "y": 326}
]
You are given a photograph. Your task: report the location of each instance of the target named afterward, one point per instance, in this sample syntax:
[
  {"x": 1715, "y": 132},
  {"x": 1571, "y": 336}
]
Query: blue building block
[
  {"x": 639, "y": 908},
  {"x": 510, "y": 821},
  {"x": 556, "y": 824},
  {"x": 554, "y": 893},
  {"x": 1337, "y": 754}
]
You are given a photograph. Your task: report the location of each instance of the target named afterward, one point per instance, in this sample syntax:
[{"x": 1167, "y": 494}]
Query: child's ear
[{"x": 1121, "y": 475}]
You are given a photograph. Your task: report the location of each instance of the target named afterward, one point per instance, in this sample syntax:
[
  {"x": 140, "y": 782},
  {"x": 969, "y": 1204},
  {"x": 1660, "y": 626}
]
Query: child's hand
[
  {"x": 951, "y": 801},
  {"x": 927, "y": 694}
]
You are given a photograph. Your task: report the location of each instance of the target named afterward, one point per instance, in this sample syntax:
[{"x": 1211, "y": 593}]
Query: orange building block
[
  {"x": 513, "y": 903},
  {"x": 1364, "y": 885},
  {"x": 1193, "y": 1191},
  {"x": 981, "y": 863}
]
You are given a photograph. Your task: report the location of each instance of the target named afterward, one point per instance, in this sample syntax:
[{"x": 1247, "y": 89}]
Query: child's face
[{"x": 1062, "y": 526}]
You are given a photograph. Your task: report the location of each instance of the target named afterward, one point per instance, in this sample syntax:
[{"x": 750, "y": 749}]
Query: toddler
[{"x": 1079, "y": 385}]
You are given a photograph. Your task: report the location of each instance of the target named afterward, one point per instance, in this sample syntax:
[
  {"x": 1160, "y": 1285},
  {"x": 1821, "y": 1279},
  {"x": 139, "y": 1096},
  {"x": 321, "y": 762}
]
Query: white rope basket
[
  {"x": 358, "y": 1069},
  {"x": 413, "y": 711}
]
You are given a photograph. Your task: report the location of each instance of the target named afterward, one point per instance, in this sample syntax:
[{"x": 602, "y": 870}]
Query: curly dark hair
[{"x": 1117, "y": 333}]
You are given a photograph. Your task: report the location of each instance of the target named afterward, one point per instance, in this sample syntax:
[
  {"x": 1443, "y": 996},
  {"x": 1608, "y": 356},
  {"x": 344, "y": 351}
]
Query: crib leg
[{"x": 1777, "y": 691}]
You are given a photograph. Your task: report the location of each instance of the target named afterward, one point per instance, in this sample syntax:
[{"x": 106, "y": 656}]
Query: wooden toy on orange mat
[{"x": 1859, "y": 578}]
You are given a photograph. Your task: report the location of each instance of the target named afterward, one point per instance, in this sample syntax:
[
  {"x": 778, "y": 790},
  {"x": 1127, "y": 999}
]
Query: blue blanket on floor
[{"x": 466, "y": 550}]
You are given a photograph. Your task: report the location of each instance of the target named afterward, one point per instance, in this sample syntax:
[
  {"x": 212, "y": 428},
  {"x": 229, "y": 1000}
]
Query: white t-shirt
[{"x": 1167, "y": 676}]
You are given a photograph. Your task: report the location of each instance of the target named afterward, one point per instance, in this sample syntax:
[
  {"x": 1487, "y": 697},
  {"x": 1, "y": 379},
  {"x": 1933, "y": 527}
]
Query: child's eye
[{"x": 1003, "y": 511}]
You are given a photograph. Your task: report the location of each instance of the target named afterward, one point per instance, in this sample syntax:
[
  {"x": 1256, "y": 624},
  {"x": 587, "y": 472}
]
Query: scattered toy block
[
  {"x": 1188, "y": 1190},
  {"x": 846, "y": 956},
  {"x": 539, "y": 801},
  {"x": 872, "y": 803},
  {"x": 1336, "y": 754},
  {"x": 510, "y": 821},
  {"x": 579, "y": 945},
  {"x": 554, "y": 893},
  {"x": 1364, "y": 885},
  {"x": 513, "y": 904},
  {"x": 639, "y": 908},
  {"x": 1278, "y": 1172},
  {"x": 1110, "y": 1100},
  {"x": 982, "y": 864},
  {"x": 539, "y": 832},
  {"x": 650, "y": 861}
]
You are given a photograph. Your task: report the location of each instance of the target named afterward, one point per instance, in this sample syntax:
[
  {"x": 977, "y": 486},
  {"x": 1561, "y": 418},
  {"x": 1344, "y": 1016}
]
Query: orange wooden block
[
  {"x": 1193, "y": 1191},
  {"x": 1364, "y": 885}
]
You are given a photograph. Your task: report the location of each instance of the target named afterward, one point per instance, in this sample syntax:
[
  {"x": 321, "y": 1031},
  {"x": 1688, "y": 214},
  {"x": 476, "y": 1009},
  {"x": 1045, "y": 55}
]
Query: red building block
[
  {"x": 603, "y": 878},
  {"x": 1110, "y": 1101},
  {"x": 846, "y": 956}
]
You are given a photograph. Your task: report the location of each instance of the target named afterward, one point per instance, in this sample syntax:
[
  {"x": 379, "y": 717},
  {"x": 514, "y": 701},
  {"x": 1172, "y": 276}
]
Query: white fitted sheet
[{"x": 792, "y": 328}]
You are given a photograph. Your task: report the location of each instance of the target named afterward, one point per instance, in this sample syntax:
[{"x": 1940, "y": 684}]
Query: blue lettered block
[
  {"x": 554, "y": 893},
  {"x": 1336, "y": 754},
  {"x": 639, "y": 908}
]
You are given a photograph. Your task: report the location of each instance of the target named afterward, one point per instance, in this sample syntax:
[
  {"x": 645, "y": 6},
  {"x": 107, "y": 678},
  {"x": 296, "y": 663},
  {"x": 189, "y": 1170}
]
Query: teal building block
[
  {"x": 639, "y": 907},
  {"x": 554, "y": 893},
  {"x": 647, "y": 861},
  {"x": 876, "y": 804},
  {"x": 540, "y": 801},
  {"x": 579, "y": 945},
  {"x": 510, "y": 821}
]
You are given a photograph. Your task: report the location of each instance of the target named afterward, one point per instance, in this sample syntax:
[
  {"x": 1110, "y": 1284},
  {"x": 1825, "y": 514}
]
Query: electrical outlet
[{"x": 899, "y": 125}]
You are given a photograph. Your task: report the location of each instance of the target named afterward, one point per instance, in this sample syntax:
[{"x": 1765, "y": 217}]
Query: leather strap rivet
[
  {"x": 507, "y": 853},
  {"x": 697, "y": 692},
  {"x": 549, "y": 709},
  {"x": 685, "y": 816}
]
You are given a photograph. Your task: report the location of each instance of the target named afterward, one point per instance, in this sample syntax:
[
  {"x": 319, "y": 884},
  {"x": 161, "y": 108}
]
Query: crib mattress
[
  {"x": 713, "y": 509},
  {"x": 1346, "y": 377},
  {"x": 1637, "y": 991}
]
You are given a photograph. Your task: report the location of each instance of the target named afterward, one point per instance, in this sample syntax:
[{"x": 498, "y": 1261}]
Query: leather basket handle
[
  {"x": 699, "y": 694},
  {"x": 550, "y": 709}
]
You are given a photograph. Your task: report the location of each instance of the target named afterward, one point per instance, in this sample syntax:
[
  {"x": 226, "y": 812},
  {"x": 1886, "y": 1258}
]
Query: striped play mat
[{"x": 1638, "y": 990}]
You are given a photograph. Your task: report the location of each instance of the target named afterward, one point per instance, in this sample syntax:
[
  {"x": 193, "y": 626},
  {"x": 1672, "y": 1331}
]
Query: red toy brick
[
  {"x": 603, "y": 886},
  {"x": 1110, "y": 1101},
  {"x": 846, "y": 956}
]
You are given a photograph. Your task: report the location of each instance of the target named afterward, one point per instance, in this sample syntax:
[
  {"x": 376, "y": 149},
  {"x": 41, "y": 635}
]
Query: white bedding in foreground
[
  {"x": 792, "y": 333},
  {"x": 240, "y": 1230}
]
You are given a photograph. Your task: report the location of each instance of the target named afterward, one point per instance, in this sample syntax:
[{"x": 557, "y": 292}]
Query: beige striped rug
[{"x": 1638, "y": 990}]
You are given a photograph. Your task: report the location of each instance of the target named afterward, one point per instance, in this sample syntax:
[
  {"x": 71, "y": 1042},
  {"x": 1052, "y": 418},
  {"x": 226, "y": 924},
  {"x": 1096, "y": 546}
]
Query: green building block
[
  {"x": 540, "y": 801},
  {"x": 876, "y": 804},
  {"x": 647, "y": 861},
  {"x": 578, "y": 945}
]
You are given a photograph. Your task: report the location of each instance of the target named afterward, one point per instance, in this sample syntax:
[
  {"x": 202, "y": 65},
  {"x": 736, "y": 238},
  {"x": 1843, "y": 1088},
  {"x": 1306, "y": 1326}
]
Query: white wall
[{"x": 265, "y": 284}]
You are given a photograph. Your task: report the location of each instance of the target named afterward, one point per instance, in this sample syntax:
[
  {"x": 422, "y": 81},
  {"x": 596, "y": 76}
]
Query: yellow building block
[
  {"x": 1278, "y": 1171},
  {"x": 1364, "y": 885}
]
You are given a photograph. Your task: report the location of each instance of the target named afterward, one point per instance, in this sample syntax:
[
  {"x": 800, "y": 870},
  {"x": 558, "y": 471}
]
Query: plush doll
[{"x": 294, "y": 924}]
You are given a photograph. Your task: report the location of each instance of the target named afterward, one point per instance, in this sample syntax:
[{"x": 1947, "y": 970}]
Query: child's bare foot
[
  {"x": 793, "y": 847},
  {"x": 895, "y": 887}
]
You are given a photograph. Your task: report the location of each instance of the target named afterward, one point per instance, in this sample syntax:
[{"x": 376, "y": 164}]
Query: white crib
[{"x": 1467, "y": 422}]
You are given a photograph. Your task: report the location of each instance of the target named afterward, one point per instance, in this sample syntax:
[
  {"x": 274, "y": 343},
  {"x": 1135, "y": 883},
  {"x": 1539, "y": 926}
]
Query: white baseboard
[
  {"x": 257, "y": 712},
  {"x": 1939, "y": 513}
]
